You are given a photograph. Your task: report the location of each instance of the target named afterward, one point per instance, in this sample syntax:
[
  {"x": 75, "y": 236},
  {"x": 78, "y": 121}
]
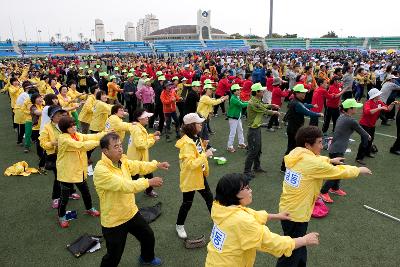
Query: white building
[
  {"x": 146, "y": 26},
  {"x": 100, "y": 33},
  {"x": 129, "y": 32}
]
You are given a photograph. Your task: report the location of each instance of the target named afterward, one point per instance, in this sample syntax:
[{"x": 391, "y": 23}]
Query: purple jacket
[{"x": 145, "y": 94}]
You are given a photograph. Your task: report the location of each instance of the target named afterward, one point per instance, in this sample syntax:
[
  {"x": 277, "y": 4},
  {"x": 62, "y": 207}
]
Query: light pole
[
  {"x": 39, "y": 39},
  {"x": 271, "y": 11}
]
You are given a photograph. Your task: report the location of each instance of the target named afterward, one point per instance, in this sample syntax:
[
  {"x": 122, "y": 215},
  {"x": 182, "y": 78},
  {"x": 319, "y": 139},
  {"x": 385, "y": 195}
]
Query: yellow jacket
[
  {"x": 116, "y": 189},
  {"x": 48, "y": 135},
  {"x": 238, "y": 233},
  {"x": 303, "y": 181},
  {"x": 193, "y": 165},
  {"x": 26, "y": 109},
  {"x": 66, "y": 102},
  {"x": 71, "y": 156},
  {"x": 14, "y": 93},
  {"x": 206, "y": 105},
  {"x": 74, "y": 94},
  {"x": 44, "y": 88},
  {"x": 20, "y": 168},
  {"x": 139, "y": 143},
  {"x": 19, "y": 115},
  {"x": 120, "y": 127},
  {"x": 87, "y": 110},
  {"x": 101, "y": 111}
]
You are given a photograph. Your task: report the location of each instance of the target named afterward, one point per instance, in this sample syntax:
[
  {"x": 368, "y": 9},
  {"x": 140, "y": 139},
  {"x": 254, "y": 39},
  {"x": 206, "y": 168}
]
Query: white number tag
[
  {"x": 292, "y": 178},
  {"x": 217, "y": 238},
  {"x": 108, "y": 125},
  {"x": 129, "y": 141}
]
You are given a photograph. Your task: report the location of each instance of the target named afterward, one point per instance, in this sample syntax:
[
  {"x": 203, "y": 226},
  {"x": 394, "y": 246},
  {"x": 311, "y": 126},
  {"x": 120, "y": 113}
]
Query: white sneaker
[
  {"x": 213, "y": 149},
  {"x": 90, "y": 170},
  {"x": 180, "y": 229}
]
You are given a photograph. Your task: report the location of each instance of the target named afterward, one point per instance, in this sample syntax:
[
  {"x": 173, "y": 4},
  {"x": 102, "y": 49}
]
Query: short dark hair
[
  {"x": 13, "y": 79},
  {"x": 320, "y": 81},
  {"x": 228, "y": 187},
  {"x": 71, "y": 82},
  {"x": 189, "y": 129},
  {"x": 93, "y": 88},
  {"x": 34, "y": 97},
  {"x": 307, "y": 68},
  {"x": 99, "y": 94},
  {"x": 137, "y": 113},
  {"x": 48, "y": 99},
  {"x": 65, "y": 123},
  {"x": 115, "y": 108},
  {"x": 307, "y": 135},
  {"x": 105, "y": 140}
]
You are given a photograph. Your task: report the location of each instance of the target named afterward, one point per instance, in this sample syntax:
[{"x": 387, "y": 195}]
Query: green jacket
[
  {"x": 255, "y": 111},
  {"x": 235, "y": 107}
]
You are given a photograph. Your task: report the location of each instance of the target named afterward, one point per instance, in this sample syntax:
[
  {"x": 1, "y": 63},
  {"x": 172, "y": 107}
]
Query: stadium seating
[
  {"x": 174, "y": 46},
  {"x": 384, "y": 43},
  {"x": 286, "y": 43},
  {"x": 229, "y": 44},
  {"x": 339, "y": 43},
  {"x": 122, "y": 47},
  {"x": 7, "y": 50}
]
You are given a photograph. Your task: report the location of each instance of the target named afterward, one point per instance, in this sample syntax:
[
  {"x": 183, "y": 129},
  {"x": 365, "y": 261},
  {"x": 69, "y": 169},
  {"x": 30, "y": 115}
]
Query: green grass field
[{"x": 350, "y": 235}]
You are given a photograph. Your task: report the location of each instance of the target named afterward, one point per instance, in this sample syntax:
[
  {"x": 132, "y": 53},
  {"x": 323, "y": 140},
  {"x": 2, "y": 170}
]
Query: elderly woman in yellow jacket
[
  {"x": 193, "y": 158},
  {"x": 49, "y": 142},
  {"x": 305, "y": 172},
  {"x": 240, "y": 231},
  {"x": 115, "y": 122},
  {"x": 68, "y": 103},
  {"x": 140, "y": 142},
  {"x": 86, "y": 114},
  {"x": 101, "y": 111},
  {"x": 72, "y": 165}
]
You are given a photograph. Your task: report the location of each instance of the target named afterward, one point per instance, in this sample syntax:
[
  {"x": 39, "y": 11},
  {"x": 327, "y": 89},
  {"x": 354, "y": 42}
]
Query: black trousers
[
  {"x": 314, "y": 121},
  {"x": 188, "y": 200},
  {"x": 66, "y": 189},
  {"x": 330, "y": 113},
  {"x": 147, "y": 176},
  {"x": 131, "y": 106},
  {"x": 291, "y": 144},
  {"x": 21, "y": 132},
  {"x": 158, "y": 112},
  {"x": 180, "y": 106},
  {"x": 169, "y": 117},
  {"x": 39, "y": 150},
  {"x": 149, "y": 107},
  {"x": 254, "y": 150},
  {"x": 396, "y": 145},
  {"x": 332, "y": 184},
  {"x": 364, "y": 148},
  {"x": 222, "y": 105},
  {"x": 115, "y": 238},
  {"x": 299, "y": 256}
]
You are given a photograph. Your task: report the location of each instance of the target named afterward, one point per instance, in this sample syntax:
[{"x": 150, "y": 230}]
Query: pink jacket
[{"x": 145, "y": 94}]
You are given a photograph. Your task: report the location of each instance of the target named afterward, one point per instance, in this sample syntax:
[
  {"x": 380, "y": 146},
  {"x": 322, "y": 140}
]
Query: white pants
[
  {"x": 235, "y": 126},
  {"x": 267, "y": 97}
]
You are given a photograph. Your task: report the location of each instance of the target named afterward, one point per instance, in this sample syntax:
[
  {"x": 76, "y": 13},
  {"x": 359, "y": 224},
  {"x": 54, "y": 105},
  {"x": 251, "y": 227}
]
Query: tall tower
[
  {"x": 129, "y": 32},
  {"x": 99, "y": 30},
  {"x": 204, "y": 24}
]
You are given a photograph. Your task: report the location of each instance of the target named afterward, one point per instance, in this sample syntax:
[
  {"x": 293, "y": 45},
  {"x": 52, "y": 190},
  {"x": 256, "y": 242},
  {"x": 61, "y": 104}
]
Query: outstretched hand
[{"x": 163, "y": 165}]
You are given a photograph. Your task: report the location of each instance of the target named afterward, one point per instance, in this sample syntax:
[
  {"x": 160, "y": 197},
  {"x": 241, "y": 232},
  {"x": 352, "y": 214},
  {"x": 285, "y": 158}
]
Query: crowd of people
[{"x": 68, "y": 107}]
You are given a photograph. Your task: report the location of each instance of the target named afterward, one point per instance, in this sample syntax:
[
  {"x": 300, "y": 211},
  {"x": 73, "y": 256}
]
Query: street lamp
[{"x": 271, "y": 9}]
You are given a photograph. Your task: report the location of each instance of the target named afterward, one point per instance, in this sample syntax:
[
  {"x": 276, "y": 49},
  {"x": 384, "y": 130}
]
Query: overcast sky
[{"x": 307, "y": 18}]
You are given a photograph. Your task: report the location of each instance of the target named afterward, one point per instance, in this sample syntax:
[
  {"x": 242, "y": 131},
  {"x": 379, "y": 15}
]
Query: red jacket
[
  {"x": 319, "y": 98},
  {"x": 238, "y": 81},
  {"x": 333, "y": 102},
  {"x": 169, "y": 105},
  {"x": 270, "y": 80},
  {"x": 277, "y": 95},
  {"x": 245, "y": 93},
  {"x": 188, "y": 74},
  {"x": 368, "y": 119},
  {"x": 223, "y": 87}
]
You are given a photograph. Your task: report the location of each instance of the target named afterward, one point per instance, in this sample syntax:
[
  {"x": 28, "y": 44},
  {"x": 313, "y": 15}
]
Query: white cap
[
  {"x": 192, "y": 118},
  {"x": 374, "y": 93},
  {"x": 145, "y": 115},
  {"x": 390, "y": 76}
]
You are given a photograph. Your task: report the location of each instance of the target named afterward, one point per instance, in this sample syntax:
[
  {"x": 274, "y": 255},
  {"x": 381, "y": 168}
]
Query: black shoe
[
  {"x": 259, "y": 170},
  {"x": 370, "y": 156},
  {"x": 361, "y": 162},
  {"x": 396, "y": 152}
]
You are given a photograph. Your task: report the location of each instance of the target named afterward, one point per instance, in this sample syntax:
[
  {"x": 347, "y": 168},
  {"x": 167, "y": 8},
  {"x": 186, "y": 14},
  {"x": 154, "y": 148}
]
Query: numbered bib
[
  {"x": 108, "y": 125},
  {"x": 129, "y": 141},
  {"x": 217, "y": 238},
  {"x": 292, "y": 178}
]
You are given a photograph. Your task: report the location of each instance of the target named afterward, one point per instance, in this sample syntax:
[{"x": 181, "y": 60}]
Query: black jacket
[{"x": 192, "y": 99}]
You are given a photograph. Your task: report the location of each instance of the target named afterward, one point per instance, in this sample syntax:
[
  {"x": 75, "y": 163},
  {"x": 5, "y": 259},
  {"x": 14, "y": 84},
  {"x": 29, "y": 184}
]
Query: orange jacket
[
  {"x": 168, "y": 99},
  {"x": 113, "y": 90}
]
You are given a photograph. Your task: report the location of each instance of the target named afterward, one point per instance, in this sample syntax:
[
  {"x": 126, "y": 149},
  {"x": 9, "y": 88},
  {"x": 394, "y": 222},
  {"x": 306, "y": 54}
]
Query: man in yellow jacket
[
  {"x": 116, "y": 190},
  {"x": 305, "y": 172}
]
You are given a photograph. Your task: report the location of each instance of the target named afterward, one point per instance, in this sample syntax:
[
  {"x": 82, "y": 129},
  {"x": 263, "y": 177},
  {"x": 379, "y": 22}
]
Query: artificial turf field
[{"x": 349, "y": 236}]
